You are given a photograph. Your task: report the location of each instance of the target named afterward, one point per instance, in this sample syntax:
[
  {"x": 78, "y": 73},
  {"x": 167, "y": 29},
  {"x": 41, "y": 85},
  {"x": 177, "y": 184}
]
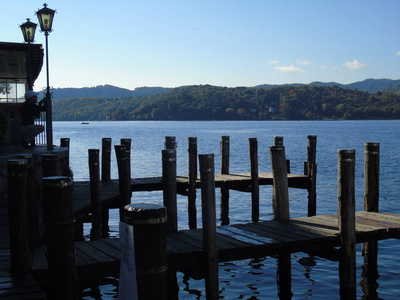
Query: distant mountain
[{"x": 107, "y": 91}]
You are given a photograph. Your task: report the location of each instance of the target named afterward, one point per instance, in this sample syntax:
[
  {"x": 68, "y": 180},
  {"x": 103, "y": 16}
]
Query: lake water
[{"x": 312, "y": 277}]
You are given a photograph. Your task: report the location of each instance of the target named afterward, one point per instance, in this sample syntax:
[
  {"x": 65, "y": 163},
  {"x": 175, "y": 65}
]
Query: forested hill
[{"x": 205, "y": 102}]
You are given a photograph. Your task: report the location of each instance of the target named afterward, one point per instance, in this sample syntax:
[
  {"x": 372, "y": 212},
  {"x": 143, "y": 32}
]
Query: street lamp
[
  {"x": 45, "y": 16},
  {"x": 28, "y": 30}
]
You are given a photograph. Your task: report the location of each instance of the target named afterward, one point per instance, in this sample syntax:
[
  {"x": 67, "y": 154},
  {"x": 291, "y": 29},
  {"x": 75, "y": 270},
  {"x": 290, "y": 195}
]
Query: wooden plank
[
  {"x": 250, "y": 235},
  {"x": 238, "y": 235},
  {"x": 263, "y": 230}
]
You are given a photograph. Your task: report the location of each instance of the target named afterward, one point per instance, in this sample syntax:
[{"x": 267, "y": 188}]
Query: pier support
[
  {"x": 125, "y": 189},
  {"x": 224, "y": 199},
  {"x": 94, "y": 173},
  {"x": 59, "y": 224},
  {"x": 207, "y": 175},
  {"x": 106, "y": 159},
  {"x": 371, "y": 203},
  {"x": 255, "y": 188},
  {"x": 18, "y": 214},
  {"x": 347, "y": 228},
  {"x": 150, "y": 242},
  {"x": 312, "y": 174},
  {"x": 169, "y": 188},
  {"x": 192, "y": 174}
]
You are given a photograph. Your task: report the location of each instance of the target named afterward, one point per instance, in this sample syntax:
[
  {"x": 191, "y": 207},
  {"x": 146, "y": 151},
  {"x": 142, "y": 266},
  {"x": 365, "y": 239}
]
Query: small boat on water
[{"x": 85, "y": 123}]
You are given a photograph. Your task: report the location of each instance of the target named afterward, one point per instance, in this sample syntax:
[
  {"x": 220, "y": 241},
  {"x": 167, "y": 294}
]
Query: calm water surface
[{"x": 312, "y": 277}]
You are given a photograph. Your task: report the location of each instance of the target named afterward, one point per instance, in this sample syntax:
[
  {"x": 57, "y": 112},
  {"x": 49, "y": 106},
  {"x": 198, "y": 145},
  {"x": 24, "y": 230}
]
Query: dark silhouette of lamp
[
  {"x": 28, "y": 30},
  {"x": 45, "y": 16}
]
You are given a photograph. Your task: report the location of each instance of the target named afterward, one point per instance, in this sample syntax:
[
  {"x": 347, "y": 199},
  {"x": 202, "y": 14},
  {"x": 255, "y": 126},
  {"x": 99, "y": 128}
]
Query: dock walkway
[{"x": 101, "y": 258}]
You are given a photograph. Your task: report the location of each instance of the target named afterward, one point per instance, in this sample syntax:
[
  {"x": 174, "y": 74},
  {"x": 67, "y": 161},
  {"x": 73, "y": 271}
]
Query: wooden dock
[{"x": 101, "y": 258}]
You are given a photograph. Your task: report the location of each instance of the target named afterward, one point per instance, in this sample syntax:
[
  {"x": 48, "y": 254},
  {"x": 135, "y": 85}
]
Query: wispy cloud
[
  {"x": 354, "y": 65},
  {"x": 398, "y": 53},
  {"x": 304, "y": 62},
  {"x": 288, "y": 69},
  {"x": 273, "y": 62}
]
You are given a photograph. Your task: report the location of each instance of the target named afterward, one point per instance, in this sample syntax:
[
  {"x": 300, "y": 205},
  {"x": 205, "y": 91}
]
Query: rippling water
[{"x": 312, "y": 277}]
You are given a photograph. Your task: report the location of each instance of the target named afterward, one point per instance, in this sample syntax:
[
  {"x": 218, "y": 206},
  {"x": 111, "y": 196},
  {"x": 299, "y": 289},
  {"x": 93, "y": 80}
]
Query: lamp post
[
  {"x": 28, "y": 30},
  {"x": 45, "y": 16}
]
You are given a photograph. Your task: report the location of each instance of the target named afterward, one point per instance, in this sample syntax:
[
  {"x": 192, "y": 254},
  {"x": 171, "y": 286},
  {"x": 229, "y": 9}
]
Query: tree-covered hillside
[{"x": 205, "y": 102}]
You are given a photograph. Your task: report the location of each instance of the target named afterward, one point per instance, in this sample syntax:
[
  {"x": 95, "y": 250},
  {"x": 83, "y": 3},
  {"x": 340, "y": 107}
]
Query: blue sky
[{"x": 170, "y": 43}]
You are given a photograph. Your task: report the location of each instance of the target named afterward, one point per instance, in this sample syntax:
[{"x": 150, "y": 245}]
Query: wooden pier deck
[{"x": 316, "y": 234}]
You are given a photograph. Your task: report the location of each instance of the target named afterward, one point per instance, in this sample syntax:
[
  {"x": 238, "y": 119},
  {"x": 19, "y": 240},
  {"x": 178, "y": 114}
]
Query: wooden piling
[
  {"x": 50, "y": 165},
  {"x": 312, "y": 174},
  {"x": 278, "y": 141},
  {"x": 150, "y": 241},
  {"x": 169, "y": 188},
  {"x": 125, "y": 189},
  {"x": 347, "y": 232},
  {"x": 255, "y": 188},
  {"x": 59, "y": 225},
  {"x": 18, "y": 215},
  {"x": 127, "y": 143},
  {"x": 65, "y": 143},
  {"x": 280, "y": 200},
  {"x": 170, "y": 143},
  {"x": 192, "y": 174},
  {"x": 106, "y": 159},
  {"x": 94, "y": 173},
  {"x": 280, "y": 197},
  {"x": 371, "y": 203},
  {"x": 32, "y": 198},
  {"x": 207, "y": 175},
  {"x": 224, "y": 198}
]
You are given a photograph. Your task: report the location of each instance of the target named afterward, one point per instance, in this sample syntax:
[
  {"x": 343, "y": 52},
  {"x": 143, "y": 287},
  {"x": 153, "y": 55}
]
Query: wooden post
[
  {"x": 65, "y": 143},
  {"x": 150, "y": 242},
  {"x": 106, "y": 159},
  {"x": 59, "y": 224},
  {"x": 192, "y": 150},
  {"x": 280, "y": 200},
  {"x": 169, "y": 188},
  {"x": 278, "y": 141},
  {"x": 312, "y": 174},
  {"x": 170, "y": 143},
  {"x": 207, "y": 175},
  {"x": 127, "y": 143},
  {"x": 32, "y": 194},
  {"x": 347, "y": 230},
  {"x": 255, "y": 188},
  {"x": 18, "y": 214},
  {"x": 94, "y": 173},
  {"x": 125, "y": 189},
  {"x": 224, "y": 199},
  {"x": 371, "y": 203},
  {"x": 280, "y": 197},
  {"x": 50, "y": 165}
]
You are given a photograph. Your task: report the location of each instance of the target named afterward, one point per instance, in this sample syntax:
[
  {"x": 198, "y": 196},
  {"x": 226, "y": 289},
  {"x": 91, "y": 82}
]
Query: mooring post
[
  {"x": 312, "y": 175},
  {"x": 59, "y": 225},
  {"x": 150, "y": 244},
  {"x": 18, "y": 214},
  {"x": 170, "y": 143},
  {"x": 127, "y": 143},
  {"x": 192, "y": 150},
  {"x": 94, "y": 174},
  {"x": 32, "y": 198},
  {"x": 65, "y": 143},
  {"x": 278, "y": 141},
  {"x": 255, "y": 188},
  {"x": 125, "y": 189},
  {"x": 280, "y": 200},
  {"x": 169, "y": 188},
  {"x": 50, "y": 165},
  {"x": 207, "y": 176},
  {"x": 106, "y": 159},
  {"x": 371, "y": 204},
  {"x": 347, "y": 227},
  {"x": 224, "y": 198}
]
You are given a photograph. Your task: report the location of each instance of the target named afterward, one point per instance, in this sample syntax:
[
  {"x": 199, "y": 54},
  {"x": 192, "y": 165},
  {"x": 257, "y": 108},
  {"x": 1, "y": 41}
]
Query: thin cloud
[
  {"x": 398, "y": 53},
  {"x": 273, "y": 62},
  {"x": 288, "y": 69},
  {"x": 354, "y": 65},
  {"x": 304, "y": 63}
]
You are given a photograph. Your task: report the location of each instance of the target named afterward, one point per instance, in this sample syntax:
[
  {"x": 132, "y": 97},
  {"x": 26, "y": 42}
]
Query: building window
[{"x": 12, "y": 90}]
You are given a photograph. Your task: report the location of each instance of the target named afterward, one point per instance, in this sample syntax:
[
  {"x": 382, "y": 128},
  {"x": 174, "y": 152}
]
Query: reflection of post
[
  {"x": 371, "y": 203},
  {"x": 347, "y": 232},
  {"x": 281, "y": 213}
]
